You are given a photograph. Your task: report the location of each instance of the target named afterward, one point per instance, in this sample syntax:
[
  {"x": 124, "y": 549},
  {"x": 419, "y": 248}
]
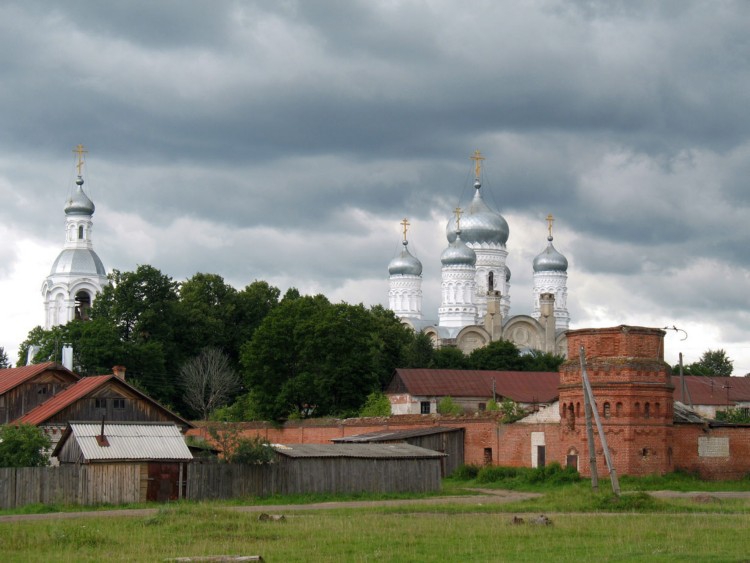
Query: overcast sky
[{"x": 284, "y": 141}]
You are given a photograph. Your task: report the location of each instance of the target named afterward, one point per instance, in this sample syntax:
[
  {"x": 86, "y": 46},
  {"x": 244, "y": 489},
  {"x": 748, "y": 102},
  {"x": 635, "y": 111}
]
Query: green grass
[{"x": 380, "y": 535}]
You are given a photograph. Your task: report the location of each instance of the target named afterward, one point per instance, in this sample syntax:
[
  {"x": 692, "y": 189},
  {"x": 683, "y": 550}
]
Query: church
[
  {"x": 475, "y": 285},
  {"x": 78, "y": 274}
]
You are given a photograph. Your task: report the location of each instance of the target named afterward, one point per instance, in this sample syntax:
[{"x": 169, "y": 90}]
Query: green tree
[
  {"x": 315, "y": 358},
  {"x": 449, "y": 357},
  {"x": 377, "y": 404},
  {"x": 713, "y": 363},
  {"x": 23, "y": 445},
  {"x": 4, "y": 362},
  {"x": 207, "y": 307},
  {"x": 500, "y": 355},
  {"x": 536, "y": 360}
]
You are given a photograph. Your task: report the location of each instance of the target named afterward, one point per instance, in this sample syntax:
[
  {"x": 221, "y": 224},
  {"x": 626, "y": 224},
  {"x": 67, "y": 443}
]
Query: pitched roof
[
  {"x": 520, "y": 386},
  {"x": 128, "y": 441},
  {"x": 12, "y": 377},
  {"x": 394, "y": 435},
  {"x": 719, "y": 391},
  {"x": 369, "y": 451},
  {"x": 77, "y": 391}
]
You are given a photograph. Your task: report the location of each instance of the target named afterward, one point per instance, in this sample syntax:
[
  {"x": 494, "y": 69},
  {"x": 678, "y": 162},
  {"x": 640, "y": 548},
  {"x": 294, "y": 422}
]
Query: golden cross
[
  {"x": 550, "y": 219},
  {"x": 79, "y": 150},
  {"x": 405, "y": 224},
  {"x": 458, "y": 213},
  {"x": 477, "y": 158}
]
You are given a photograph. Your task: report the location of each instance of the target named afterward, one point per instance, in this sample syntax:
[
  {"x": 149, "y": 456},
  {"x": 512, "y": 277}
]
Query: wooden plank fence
[{"x": 122, "y": 483}]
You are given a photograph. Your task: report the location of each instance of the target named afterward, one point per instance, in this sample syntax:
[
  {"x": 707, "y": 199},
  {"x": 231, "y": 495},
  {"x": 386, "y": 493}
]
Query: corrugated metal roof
[
  {"x": 130, "y": 441},
  {"x": 392, "y": 435},
  {"x": 520, "y": 386},
  {"x": 63, "y": 399},
  {"x": 12, "y": 377},
  {"x": 720, "y": 391},
  {"x": 369, "y": 451}
]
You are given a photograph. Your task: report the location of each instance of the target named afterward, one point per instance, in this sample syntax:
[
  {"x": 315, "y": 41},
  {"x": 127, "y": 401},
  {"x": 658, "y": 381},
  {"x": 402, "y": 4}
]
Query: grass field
[{"x": 585, "y": 527}]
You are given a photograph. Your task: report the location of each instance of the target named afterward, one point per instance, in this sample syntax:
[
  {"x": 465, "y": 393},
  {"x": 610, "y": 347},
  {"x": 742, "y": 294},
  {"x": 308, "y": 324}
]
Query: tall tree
[
  {"x": 712, "y": 363},
  {"x": 208, "y": 381}
]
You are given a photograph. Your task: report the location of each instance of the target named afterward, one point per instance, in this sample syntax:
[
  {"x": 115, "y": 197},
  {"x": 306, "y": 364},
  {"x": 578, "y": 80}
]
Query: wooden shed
[
  {"x": 447, "y": 440},
  {"x": 129, "y": 462},
  {"x": 354, "y": 468}
]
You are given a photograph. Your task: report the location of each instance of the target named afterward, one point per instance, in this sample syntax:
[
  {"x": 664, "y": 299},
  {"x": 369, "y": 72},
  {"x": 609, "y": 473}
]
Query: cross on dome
[
  {"x": 80, "y": 151},
  {"x": 458, "y": 213},
  {"x": 550, "y": 220},
  {"x": 405, "y": 223},
  {"x": 477, "y": 158}
]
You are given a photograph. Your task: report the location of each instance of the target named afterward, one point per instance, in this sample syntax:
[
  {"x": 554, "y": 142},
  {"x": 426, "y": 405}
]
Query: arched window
[
  {"x": 647, "y": 410},
  {"x": 564, "y": 410},
  {"x": 80, "y": 232},
  {"x": 618, "y": 409},
  {"x": 491, "y": 281},
  {"x": 571, "y": 417},
  {"x": 606, "y": 410}
]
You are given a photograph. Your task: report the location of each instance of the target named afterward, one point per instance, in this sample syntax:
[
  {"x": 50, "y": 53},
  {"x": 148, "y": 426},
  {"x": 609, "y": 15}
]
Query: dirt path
[{"x": 484, "y": 496}]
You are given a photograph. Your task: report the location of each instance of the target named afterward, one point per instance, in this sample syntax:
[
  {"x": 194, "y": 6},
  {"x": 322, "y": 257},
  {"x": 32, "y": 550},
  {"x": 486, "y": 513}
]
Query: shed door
[{"x": 163, "y": 481}]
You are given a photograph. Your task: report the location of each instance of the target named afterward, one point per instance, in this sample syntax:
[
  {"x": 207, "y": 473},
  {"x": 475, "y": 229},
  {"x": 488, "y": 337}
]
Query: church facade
[
  {"x": 475, "y": 307},
  {"x": 78, "y": 274}
]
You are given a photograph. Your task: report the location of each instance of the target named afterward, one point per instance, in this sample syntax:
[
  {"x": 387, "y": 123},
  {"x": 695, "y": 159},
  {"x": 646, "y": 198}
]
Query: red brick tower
[{"x": 633, "y": 391}]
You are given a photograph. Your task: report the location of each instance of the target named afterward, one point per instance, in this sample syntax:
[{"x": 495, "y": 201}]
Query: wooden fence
[{"x": 122, "y": 483}]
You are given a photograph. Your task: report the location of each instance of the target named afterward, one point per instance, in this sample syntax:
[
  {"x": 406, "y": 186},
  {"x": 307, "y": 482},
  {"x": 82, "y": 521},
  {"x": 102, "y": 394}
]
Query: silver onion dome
[
  {"x": 82, "y": 261},
  {"x": 79, "y": 203},
  {"x": 458, "y": 253},
  {"x": 405, "y": 263},
  {"x": 480, "y": 223},
  {"x": 550, "y": 260}
]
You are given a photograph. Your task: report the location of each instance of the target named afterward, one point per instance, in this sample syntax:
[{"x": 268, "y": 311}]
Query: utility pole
[
  {"x": 589, "y": 396},
  {"x": 589, "y": 432}
]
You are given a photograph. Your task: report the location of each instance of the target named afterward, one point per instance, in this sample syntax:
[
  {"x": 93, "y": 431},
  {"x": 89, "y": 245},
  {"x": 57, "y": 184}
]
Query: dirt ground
[{"x": 482, "y": 496}]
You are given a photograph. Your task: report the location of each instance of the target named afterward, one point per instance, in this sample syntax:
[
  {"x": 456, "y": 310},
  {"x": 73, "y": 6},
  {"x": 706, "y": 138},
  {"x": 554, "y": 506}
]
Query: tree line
[{"x": 295, "y": 355}]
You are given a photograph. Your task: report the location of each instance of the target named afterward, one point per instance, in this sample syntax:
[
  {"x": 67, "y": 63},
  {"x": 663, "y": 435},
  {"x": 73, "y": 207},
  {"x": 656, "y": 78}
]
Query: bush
[
  {"x": 553, "y": 474},
  {"x": 23, "y": 446},
  {"x": 466, "y": 472},
  {"x": 377, "y": 404},
  {"x": 626, "y": 503},
  {"x": 447, "y": 406},
  {"x": 252, "y": 451},
  {"x": 493, "y": 474}
]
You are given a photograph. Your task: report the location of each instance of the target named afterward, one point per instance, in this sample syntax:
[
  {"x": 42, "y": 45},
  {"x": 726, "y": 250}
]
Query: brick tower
[{"x": 633, "y": 392}]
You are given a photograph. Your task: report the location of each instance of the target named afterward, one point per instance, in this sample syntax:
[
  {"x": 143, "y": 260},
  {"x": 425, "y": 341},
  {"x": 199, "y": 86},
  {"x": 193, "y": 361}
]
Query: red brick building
[{"x": 645, "y": 430}]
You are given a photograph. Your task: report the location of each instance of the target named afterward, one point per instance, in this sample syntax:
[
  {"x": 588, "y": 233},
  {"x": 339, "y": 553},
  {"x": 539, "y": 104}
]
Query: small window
[
  {"x": 424, "y": 407},
  {"x": 100, "y": 403},
  {"x": 482, "y": 407},
  {"x": 80, "y": 232},
  {"x": 647, "y": 410},
  {"x": 564, "y": 411},
  {"x": 118, "y": 404},
  {"x": 42, "y": 389},
  {"x": 607, "y": 411}
]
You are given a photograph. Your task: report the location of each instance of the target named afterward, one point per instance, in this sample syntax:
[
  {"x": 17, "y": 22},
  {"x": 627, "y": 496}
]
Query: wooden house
[
  {"x": 128, "y": 462},
  {"x": 96, "y": 398},
  {"x": 24, "y": 388}
]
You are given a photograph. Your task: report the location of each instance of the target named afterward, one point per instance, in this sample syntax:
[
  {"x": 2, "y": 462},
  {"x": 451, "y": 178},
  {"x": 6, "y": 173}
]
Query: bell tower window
[{"x": 80, "y": 232}]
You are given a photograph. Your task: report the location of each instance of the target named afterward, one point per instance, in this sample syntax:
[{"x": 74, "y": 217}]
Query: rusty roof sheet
[
  {"x": 393, "y": 435},
  {"x": 139, "y": 441},
  {"x": 80, "y": 389},
  {"x": 12, "y": 377},
  {"x": 718, "y": 391},
  {"x": 520, "y": 386},
  {"x": 368, "y": 451},
  {"x": 63, "y": 399}
]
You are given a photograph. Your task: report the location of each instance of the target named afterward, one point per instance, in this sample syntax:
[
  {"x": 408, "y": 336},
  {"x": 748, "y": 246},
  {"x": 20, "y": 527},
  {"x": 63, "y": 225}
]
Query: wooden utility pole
[
  {"x": 590, "y": 396},
  {"x": 589, "y": 430}
]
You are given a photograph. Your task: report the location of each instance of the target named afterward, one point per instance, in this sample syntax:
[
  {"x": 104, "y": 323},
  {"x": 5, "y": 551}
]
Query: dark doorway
[
  {"x": 163, "y": 481},
  {"x": 572, "y": 461},
  {"x": 540, "y": 456}
]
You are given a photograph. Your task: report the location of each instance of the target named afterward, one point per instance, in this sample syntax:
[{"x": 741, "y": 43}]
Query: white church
[
  {"x": 475, "y": 303},
  {"x": 77, "y": 275}
]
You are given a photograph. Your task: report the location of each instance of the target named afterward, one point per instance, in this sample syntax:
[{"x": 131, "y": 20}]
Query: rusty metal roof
[
  {"x": 369, "y": 451},
  {"x": 520, "y": 386},
  {"x": 80, "y": 389},
  {"x": 718, "y": 391},
  {"x": 128, "y": 441},
  {"x": 12, "y": 377},
  {"x": 393, "y": 435}
]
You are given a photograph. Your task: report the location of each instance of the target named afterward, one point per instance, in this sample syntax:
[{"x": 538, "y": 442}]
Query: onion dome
[
  {"x": 79, "y": 203},
  {"x": 82, "y": 261},
  {"x": 480, "y": 223},
  {"x": 458, "y": 254},
  {"x": 405, "y": 264},
  {"x": 550, "y": 260},
  {"x": 507, "y": 273}
]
